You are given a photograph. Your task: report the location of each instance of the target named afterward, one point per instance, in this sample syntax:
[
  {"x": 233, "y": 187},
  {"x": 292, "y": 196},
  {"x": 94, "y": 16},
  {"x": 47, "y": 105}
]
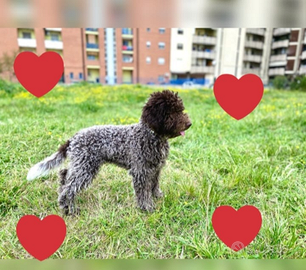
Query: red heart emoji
[
  {"x": 236, "y": 229},
  {"x": 38, "y": 75},
  {"x": 240, "y": 97},
  {"x": 41, "y": 238}
]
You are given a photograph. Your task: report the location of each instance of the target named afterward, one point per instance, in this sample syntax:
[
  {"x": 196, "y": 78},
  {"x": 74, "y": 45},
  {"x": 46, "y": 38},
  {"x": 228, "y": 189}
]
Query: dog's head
[{"x": 163, "y": 113}]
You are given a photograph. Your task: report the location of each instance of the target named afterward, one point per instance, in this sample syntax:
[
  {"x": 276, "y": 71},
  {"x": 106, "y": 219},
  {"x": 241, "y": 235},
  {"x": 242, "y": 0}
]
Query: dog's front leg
[
  {"x": 157, "y": 193},
  {"x": 142, "y": 183}
]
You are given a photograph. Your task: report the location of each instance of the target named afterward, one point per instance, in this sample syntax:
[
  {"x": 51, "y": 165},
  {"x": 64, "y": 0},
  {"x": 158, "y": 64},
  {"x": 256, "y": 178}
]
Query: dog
[{"x": 140, "y": 148}]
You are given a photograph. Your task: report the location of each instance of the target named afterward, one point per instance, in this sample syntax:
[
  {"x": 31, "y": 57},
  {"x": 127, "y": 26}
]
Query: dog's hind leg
[{"x": 76, "y": 179}]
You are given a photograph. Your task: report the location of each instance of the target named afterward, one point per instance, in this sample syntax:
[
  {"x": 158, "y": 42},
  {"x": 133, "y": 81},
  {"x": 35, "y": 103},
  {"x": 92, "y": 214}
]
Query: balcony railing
[
  {"x": 201, "y": 54},
  {"x": 256, "y": 31},
  {"x": 54, "y": 29},
  {"x": 127, "y": 60},
  {"x": 54, "y": 44},
  {"x": 92, "y": 46},
  {"x": 276, "y": 71},
  {"x": 303, "y": 69},
  {"x": 279, "y": 57},
  {"x": 127, "y": 48},
  {"x": 254, "y": 44},
  {"x": 202, "y": 69},
  {"x": 280, "y": 44},
  {"x": 204, "y": 40},
  {"x": 27, "y": 42},
  {"x": 252, "y": 58},
  {"x": 281, "y": 31},
  {"x": 255, "y": 71}
]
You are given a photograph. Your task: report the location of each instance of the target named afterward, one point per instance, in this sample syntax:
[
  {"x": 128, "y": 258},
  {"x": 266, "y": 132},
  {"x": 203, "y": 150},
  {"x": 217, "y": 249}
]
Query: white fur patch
[
  {"x": 36, "y": 171},
  {"x": 40, "y": 169}
]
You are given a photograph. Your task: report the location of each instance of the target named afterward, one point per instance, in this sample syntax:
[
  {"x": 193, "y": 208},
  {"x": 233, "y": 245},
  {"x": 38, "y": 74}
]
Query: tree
[{"x": 7, "y": 64}]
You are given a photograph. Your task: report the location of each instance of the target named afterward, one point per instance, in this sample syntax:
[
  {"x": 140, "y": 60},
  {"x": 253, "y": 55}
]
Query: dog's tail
[{"x": 44, "y": 167}]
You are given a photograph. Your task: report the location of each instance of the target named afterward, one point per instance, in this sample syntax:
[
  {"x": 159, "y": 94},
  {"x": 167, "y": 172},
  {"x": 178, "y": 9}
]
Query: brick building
[{"x": 104, "y": 55}]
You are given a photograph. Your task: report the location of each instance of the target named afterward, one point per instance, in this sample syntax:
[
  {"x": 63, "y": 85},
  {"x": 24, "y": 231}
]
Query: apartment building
[
  {"x": 207, "y": 53},
  {"x": 164, "y": 55},
  {"x": 242, "y": 51},
  {"x": 287, "y": 48},
  {"x": 154, "y": 55},
  {"x": 193, "y": 54},
  {"x": 104, "y": 55}
]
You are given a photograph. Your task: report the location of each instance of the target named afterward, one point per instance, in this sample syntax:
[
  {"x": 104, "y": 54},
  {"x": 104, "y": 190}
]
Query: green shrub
[
  {"x": 280, "y": 82},
  {"x": 9, "y": 88},
  {"x": 298, "y": 83}
]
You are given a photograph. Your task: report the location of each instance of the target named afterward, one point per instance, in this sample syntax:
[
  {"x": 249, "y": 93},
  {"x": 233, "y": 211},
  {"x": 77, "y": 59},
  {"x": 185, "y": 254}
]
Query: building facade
[{"x": 164, "y": 55}]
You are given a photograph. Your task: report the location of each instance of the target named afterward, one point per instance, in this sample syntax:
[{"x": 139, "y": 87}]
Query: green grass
[{"x": 259, "y": 161}]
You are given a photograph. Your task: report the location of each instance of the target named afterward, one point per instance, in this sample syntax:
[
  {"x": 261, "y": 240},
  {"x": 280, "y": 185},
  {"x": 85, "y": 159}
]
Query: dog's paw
[
  {"x": 148, "y": 207},
  {"x": 158, "y": 193}
]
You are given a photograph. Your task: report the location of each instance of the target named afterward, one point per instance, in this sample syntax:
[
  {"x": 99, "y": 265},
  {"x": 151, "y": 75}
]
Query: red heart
[
  {"x": 236, "y": 229},
  {"x": 38, "y": 75},
  {"x": 240, "y": 97},
  {"x": 41, "y": 238}
]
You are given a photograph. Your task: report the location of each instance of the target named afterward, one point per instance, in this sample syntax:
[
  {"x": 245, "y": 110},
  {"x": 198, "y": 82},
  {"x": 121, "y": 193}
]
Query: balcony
[
  {"x": 252, "y": 58},
  {"x": 127, "y": 59},
  {"x": 281, "y": 31},
  {"x": 255, "y": 71},
  {"x": 202, "y": 69},
  {"x": 92, "y": 47},
  {"x": 256, "y": 31},
  {"x": 127, "y": 49},
  {"x": 276, "y": 71},
  {"x": 207, "y": 55},
  {"x": 279, "y": 57},
  {"x": 254, "y": 44},
  {"x": 303, "y": 69},
  {"x": 54, "y": 29},
  {"x": 303, "y": 55},
  {"x": 27, "y": 42},
  {"x": 54, "y": 44},
  {"x": 127, "y": 33},
  {"x": 280, "y": 44},
  {"x": 204, "y": 40}
]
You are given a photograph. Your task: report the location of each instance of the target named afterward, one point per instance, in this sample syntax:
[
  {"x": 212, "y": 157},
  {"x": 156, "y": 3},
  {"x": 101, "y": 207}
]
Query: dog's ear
[{"x": 154, "y": 112}]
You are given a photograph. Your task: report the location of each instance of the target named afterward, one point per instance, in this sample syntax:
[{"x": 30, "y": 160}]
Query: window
[
  {"x": 148, "y": 60},
  {"x": 161, "y": 45},
  {"x": 26, "y": 35},
  {"x": 148, "y": 29},
  {"x": 81, "y": 76},
  {"x": 180, "y": 31},
  {"x": 55, "y": 37},
  {"x": 148, "y": 44},
  {"x": 91, "y": 57},
  {"x": 89, "y": 73},
  {"x": 161, "y": 61},
  {"x": 162, "y": 30},
  {"x": 71, "y": 75},
  {"x": 127, "y": 59},
  {"x": 180, "y": 46}
]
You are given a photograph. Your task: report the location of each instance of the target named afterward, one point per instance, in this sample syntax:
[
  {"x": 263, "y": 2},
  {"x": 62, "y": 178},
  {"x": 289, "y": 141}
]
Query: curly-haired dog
[{"x": 140, "y": 148}]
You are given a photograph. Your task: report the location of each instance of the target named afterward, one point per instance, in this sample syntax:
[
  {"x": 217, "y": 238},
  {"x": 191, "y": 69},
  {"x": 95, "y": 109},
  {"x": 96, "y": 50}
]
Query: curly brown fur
[{"x": 140, "y": 148}]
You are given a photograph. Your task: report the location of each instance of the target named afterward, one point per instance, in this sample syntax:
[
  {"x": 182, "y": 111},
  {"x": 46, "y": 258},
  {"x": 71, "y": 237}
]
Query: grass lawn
[{"x": 259, "y": 160}]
